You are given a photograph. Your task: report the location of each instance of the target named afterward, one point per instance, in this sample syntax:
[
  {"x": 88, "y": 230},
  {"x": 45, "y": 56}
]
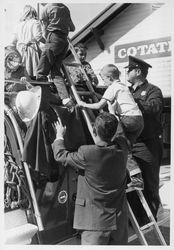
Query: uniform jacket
[
  {"x": 148, "y": 148},
  {"x": 150, "y": 101},
  {"x": 101, "y": 185}
]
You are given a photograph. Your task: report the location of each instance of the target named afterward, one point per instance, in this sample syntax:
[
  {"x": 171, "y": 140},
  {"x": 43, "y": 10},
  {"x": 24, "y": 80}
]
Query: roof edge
[{"x": 98, "y": 21}]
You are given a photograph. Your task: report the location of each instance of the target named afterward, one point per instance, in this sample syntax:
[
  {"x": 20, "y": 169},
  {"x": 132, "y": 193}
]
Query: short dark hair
[{"x": 106, "y": 126}]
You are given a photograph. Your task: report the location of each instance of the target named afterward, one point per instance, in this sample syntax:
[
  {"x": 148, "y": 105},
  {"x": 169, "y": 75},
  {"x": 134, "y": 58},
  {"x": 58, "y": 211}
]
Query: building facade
[{"x": 142, "y": 30}]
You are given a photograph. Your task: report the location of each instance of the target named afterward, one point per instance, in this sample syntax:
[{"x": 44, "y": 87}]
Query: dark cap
[{"x": 135, "y": 62}]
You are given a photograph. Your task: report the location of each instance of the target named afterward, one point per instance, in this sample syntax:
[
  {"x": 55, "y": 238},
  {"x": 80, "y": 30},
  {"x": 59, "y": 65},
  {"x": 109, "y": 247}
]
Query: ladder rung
[
  {"x": 140, "y": 231},
  {"x": 29, "y": 82},
  {"x": 73, "y": 64},
  {"x": 147, "y": 226},
  {"x": 130, "y": 189},
  {"x": 85, "y": 93},
  {"x": 12, "y": 81}
]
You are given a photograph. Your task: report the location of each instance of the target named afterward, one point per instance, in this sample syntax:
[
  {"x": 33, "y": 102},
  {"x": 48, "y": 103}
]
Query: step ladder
[
  {"x": 142, "y": 230},
  {"x": 90, "y": 92}
]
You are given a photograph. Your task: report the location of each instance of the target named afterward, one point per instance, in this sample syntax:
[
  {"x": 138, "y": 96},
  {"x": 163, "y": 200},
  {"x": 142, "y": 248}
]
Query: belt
[{"x": 29, "y": 44}]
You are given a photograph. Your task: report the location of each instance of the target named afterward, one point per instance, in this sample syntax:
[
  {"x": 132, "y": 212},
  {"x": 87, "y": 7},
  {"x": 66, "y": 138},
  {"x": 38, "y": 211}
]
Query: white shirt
[
  {"x": 120, "y": 100},
  {"x": 28, "y": 31}
]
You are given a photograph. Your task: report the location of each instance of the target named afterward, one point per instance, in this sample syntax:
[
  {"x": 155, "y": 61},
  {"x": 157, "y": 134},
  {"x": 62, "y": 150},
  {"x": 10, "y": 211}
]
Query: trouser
[
  {"x": 150, "y": 175},
  {"x": 148, "y": 156},
  {"x": 52, "y": 56},
  {"x": 132, "y": 126}
]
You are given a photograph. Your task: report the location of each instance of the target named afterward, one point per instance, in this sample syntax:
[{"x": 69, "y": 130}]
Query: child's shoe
[{"x": 136, "y": 182}]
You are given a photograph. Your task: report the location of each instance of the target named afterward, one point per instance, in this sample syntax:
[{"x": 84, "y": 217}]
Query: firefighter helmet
[{"x": 28, "y": 102}]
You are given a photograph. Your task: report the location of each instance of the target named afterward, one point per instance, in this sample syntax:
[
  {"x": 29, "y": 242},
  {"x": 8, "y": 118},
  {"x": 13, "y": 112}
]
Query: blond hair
[{"x": 111, "y": 70}]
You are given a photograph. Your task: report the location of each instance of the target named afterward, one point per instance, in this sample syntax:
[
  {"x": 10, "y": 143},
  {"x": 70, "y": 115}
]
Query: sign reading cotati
[{"x": 145, "y": 49}]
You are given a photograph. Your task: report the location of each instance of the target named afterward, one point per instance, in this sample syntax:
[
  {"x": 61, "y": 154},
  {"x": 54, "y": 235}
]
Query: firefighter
[{"x": 147, "y": 149}]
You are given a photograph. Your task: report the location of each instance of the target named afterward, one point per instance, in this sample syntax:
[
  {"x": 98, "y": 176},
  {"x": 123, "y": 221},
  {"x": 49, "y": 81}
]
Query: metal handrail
[{"x": 37, "y": 214}]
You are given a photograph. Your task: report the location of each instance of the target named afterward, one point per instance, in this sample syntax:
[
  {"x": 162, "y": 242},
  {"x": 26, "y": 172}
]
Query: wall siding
[{"x": 136, "y": 23}]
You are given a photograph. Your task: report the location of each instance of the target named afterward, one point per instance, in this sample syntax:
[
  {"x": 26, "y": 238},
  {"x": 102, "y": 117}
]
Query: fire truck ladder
[
  {"x": 88, "y": 92},
  {"x": 140, "y": 231}
]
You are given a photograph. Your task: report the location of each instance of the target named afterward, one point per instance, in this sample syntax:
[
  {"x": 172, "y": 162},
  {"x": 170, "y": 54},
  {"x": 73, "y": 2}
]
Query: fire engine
[{"x": 38, "y": 210}]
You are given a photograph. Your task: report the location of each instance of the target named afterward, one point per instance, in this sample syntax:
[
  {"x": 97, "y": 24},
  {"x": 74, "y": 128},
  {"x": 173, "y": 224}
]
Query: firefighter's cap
[
  {"x": 28, "y": 102},
  {"x": 135, "y": 62}
]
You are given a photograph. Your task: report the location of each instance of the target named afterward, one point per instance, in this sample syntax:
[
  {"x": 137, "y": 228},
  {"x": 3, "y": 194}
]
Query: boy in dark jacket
[{"x": 100, "y": 207}]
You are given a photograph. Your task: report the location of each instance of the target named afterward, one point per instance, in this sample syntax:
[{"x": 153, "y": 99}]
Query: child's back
[{"x": 120, "y": 100}]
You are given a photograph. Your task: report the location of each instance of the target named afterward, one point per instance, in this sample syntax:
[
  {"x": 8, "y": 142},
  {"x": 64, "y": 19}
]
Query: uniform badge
[
  {"x": 143, "y": 93},
  {"x": 62, "y": 197}
]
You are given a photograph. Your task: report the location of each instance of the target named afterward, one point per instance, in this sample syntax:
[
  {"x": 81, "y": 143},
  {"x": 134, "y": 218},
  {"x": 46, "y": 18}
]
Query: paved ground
[{"x": 163, "y": 214}]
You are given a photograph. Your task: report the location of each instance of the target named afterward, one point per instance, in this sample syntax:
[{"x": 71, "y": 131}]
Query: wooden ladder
[
  {"x": 88, "y": 91},
  {"x": 152, "y": 225}
]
